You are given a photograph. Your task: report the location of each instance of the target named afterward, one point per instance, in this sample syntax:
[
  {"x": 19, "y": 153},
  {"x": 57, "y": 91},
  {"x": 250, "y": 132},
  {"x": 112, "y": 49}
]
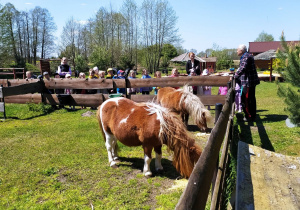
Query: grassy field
[{"x": 58, "y": 160}]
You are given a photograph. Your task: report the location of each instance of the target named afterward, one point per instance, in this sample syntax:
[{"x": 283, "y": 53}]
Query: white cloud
[
  {"x": 280, "y": 8},
  {"x": 83, "y": 4},
  {"x": 28, "y": 3}
]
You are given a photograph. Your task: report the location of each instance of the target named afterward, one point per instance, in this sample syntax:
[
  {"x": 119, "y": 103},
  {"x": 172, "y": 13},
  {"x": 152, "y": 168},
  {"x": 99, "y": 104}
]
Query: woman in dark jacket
[{"x": 193, "y": 64}]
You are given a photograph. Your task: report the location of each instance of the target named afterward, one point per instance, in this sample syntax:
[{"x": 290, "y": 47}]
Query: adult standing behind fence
[
  {"x": 193, "y": 64},
  {"x": 247, "y": 74},
  {"x": 64, "y": 68}
]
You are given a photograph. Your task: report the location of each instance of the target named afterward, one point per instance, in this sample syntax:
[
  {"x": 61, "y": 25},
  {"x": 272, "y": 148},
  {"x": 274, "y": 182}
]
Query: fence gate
[{"x": 2, "y": 105}]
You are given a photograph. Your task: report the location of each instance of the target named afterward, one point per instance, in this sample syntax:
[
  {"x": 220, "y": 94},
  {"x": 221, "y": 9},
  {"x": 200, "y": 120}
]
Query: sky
[{"x": 201, "y": 24}]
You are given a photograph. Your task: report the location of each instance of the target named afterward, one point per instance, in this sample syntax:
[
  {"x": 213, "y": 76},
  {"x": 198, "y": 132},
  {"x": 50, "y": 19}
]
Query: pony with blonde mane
[
  {"x": 150, "y": 126},
  {"x": 185, "y": 103}
]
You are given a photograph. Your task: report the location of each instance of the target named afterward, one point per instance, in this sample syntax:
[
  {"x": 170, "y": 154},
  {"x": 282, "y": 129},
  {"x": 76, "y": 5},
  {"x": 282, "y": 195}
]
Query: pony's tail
[{"x": 185, "y": 151}]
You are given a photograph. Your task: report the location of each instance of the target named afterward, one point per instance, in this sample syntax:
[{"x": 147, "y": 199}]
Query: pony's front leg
[
  {"x": 158, "y": 156},
  {"x": 147, "y": 160},
  {"x": 110, "y": 144}
]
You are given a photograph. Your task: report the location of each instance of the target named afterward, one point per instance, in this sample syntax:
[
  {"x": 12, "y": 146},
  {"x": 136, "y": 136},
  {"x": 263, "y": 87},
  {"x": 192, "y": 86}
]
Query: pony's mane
[
  {"x": 174, "y": 134},
  {"x": 194, "y": 105}
]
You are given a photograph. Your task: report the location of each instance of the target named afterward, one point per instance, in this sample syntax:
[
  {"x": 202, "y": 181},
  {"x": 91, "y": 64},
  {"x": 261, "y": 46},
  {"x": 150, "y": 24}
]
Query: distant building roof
[
  {"x": 210, "y": 59},
  {"x": 266, "y": 55},
  {"x": 259, "y": 47},
  {"x": 185, "y": 57}
]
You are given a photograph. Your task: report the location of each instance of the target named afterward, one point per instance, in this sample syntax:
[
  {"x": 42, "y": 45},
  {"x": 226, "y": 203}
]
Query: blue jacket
[{"x": 146, "y": 88}]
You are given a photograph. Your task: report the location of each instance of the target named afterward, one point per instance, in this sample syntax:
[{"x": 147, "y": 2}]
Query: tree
[
  {"x": 81, "y": 64},
  {"x": 48, "y": 27},
  {"x": 68, "y": 38},
  {"x": 168, "y": 52},
  {"x": 224, "y": 60},
  {"x": 264, "y": 37},
  {"x": 9, "y": 36},
  {"x": 158, "y": 28},
  {"x": 290, "y": 55}
]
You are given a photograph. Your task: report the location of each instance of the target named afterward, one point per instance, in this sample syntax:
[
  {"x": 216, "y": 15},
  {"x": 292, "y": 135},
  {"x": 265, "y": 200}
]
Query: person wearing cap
[
  {"x": 110, "y": 73},
  {"x": 46, "y": 75},
  {"x": 96, "y": 70},
  {"x": 68, "y": 90},
  {"x": 248, "y": 77},
  {"x": 120, "y": 75},
  {"x": 64, "y": 68}
]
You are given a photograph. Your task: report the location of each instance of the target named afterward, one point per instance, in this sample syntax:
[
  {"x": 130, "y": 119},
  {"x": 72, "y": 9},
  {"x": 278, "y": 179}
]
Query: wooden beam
[
  {"x": 75, "y": 83},
  {"x": 90, "y": 100},
  {"x": 23, "y": 89}
]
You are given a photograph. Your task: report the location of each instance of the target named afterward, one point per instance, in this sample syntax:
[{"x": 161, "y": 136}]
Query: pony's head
[
  {"x": 203, "y": 119},
  {"x": 195, "y": 107},
  {"x": 175, "y": 135}
]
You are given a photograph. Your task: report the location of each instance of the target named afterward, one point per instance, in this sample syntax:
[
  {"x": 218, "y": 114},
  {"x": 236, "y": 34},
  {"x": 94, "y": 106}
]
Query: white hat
[
  {"x": 96, "y": 69},
  {"x": 205, "y": 72},
  {"x": 68, "y": 75}
]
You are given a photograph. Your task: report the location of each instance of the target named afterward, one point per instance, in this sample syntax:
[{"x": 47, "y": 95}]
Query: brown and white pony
[
  {"x": 185, "y": 103},
  {"x": 150, "y": 126}
]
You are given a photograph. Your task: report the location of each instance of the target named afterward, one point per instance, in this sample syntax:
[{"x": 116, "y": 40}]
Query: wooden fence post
[{"x": 197, "y": 189}]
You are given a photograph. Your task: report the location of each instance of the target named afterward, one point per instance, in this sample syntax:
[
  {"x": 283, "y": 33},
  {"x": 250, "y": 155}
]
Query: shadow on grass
[
  {"x": 274, "y": 118},
  {"x": 264, "y": 138},
  {"x": 138, "y": 163},
  {"x": 245, "y": 129},
  {"x": 32, "y": 116},
  {"x": 193, "y": 128}
]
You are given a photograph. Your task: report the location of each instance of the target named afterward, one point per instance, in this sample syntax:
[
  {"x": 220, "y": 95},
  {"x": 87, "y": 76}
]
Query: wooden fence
[
  {"x": 197, "y": 190},
  {"x": 14, "y": 90},
  {"x": 13, "y": 71},
  {"x": 196, "y": 193}
]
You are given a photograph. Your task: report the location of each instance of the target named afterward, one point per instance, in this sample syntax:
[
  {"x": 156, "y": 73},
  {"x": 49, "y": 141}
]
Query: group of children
[{"x": 64, "y": 71}]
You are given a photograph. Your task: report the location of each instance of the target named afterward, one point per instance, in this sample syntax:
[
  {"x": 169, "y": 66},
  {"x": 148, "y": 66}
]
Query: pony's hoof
[
  {"x": 116, "y": 160},
  {"x": 148, "y": 174},
  {"x": 113, "y": 164}
]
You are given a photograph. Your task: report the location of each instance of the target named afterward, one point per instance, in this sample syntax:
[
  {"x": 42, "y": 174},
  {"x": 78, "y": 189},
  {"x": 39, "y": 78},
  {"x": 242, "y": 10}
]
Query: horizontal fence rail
[
  {"x": 21, "y": 90},
  {"x": 92, "y": 99},
  {"x": 123, "y": 83}
]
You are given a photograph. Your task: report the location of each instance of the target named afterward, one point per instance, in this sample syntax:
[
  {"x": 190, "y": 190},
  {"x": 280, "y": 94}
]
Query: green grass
[
  {"x": 270, "y": 131},
  {"x": 58, "y": 160}
]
